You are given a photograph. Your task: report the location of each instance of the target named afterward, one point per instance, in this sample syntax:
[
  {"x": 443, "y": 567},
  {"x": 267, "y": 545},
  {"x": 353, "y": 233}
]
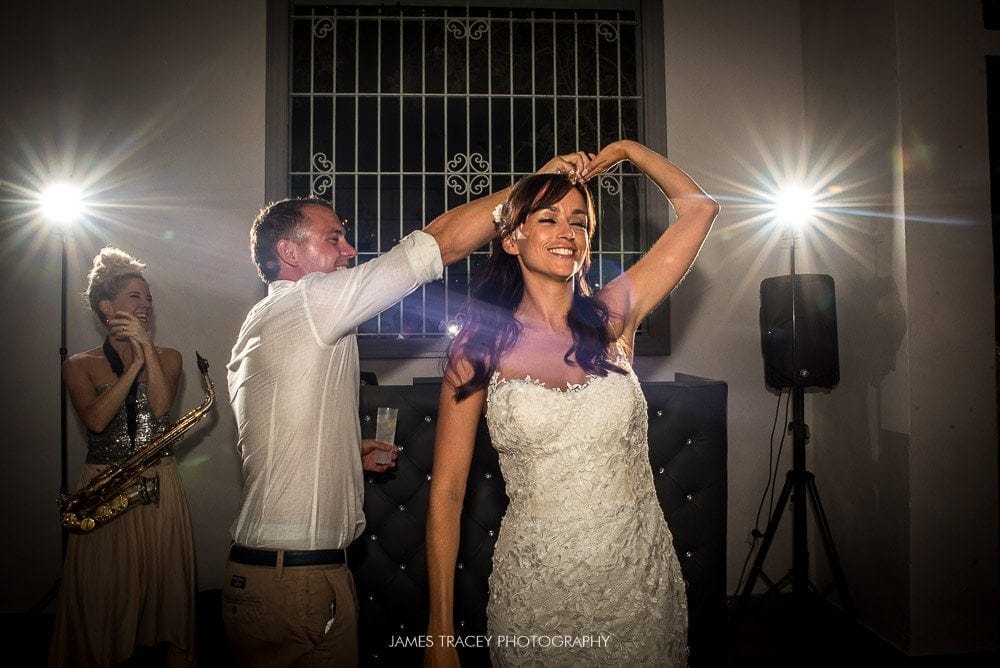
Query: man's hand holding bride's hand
[{"x": 575, "y": 165}]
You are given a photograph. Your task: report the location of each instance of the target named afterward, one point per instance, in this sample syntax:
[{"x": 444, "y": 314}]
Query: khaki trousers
[{"x": 291, "y": 616}]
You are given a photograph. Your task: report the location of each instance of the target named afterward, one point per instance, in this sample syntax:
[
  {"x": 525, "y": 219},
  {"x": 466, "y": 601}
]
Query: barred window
[{"x": 398, "y": 113}]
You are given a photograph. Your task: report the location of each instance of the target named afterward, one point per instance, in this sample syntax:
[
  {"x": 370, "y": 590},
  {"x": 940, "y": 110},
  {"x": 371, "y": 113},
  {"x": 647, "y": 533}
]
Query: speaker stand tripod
[{"x": 800, "y": 487}]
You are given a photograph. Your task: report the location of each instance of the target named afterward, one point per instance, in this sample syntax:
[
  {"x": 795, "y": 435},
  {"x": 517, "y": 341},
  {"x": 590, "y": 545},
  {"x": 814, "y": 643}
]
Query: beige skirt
[{"x": 130, "y": 582}]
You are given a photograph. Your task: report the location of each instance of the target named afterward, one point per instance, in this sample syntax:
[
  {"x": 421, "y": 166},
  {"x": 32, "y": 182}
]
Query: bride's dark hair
[{"x": 490, "y": 329}]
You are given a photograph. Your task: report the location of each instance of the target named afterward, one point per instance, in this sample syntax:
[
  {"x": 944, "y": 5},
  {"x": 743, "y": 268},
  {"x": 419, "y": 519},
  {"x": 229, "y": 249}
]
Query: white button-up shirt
[{"x": 293, "y": 385}]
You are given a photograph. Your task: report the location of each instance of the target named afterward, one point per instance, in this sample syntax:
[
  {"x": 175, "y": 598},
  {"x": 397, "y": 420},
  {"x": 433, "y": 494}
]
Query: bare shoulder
[
  {"x": 85, "y": 360},
  {"x": 89, "y": 367},
  {"x": 171, "y": 361},
  {"x": 169, "y": 353}
]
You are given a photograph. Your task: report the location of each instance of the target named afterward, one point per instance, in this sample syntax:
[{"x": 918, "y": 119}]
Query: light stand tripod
[
  {"x": 800, "y": 486},
  {"x": 63, "y": 352},
  {"x": 64, "y": 217}
]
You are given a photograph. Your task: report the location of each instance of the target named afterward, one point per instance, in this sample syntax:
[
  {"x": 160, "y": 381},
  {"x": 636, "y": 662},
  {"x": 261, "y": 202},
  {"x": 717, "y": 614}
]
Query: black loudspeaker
[{"x": 815, "y": 331}]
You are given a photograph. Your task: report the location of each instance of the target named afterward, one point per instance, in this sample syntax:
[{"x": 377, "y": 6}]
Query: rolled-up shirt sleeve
[{"x": 340, "y": 301}]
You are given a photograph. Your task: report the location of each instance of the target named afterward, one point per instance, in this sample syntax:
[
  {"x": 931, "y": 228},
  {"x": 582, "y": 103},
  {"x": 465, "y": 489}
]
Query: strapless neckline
[{"x": 498, "y": 380}]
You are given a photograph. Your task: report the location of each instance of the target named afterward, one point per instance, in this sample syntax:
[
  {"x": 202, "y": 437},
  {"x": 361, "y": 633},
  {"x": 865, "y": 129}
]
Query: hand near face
[
  {"x": 138, "y": 356},
  {"x": 126, "y": 326}
]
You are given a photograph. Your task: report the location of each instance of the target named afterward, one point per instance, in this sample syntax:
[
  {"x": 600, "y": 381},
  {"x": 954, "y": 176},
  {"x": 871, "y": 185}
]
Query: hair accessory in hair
[{"x": 498, "y": 213}]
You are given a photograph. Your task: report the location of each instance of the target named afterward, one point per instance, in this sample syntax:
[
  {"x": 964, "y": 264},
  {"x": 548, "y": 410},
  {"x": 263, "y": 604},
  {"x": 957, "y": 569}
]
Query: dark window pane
[
  {"x": 501, "y": 134},
  {"x": 523, "y": 137},
  {"x": 413, "y": 56},
  {"x": 457, "y": 126},
  {"x": 523, "y": 60},
  {"x": 301, "y": 56},
  {"x": 301, "y": 121},
  {"x": 347, "y": 56},
  {"x": 367, "y": 62},
  {"x": 610, "y": 129},
  {"x": 543, "y": 57},
  {"x": 632, "y": 240},
  {"x": 434, "y": 56},
  {"x": 413, "y": 204},
  {"x": 479, "y": 59},
  {"x": 323, "y": 58},
  {"x": 345, "y": 131},
  {"x": 434, "y": 190},
  {"x": 565, "y": 61},
  {"x": 413, "y": 153},
  {"x": 607, "y": 61},
  {"x": 566, "y": 127},
  {"x": 991, "y": 14},
  {"x": 367, "y": 214},
  {"x": 298, "y": 185},
  {"x": 629, "y": 118},
  {"x": 434, "y": 137},
  {"x": 587, "y": 124},
  {"x": 389, "y": 211},
  {"x": 629, "y": 83},
  {"x": 456, "y": 43},
  {"x": 586, "y": 59},
  {"x": 500, "y": 61},
  {"x": 389, "y": 139},
  {"x": 322, "y": 132},
  {"x": 479, "y": 126},
  {"x": 389, "y": 56},
  {"x": 545, "y": 146},
  {"x": 345, "y": 204},
  {"x": 367, "y": 121}
]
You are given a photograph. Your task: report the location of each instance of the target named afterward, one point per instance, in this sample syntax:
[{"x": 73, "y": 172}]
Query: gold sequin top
[{"x": 113, "y": 444}]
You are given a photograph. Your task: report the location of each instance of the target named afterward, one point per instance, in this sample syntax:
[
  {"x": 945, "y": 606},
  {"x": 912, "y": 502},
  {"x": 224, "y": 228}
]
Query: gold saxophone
[{"x": 121, "y": 486}]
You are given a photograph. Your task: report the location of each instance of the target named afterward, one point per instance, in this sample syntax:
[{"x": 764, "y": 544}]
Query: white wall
[
  {"x": 170, "y": 98},
  {"x": 162, "y": 106},
  {"x": 862, "y": 427}
]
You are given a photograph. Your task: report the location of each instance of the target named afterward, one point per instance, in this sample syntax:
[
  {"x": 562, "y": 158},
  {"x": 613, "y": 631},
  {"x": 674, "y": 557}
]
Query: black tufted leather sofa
[{"x": 687, "y": 438}]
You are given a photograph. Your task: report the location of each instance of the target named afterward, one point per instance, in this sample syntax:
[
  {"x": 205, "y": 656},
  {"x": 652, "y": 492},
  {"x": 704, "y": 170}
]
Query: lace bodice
[
  {"x": 581, "y": 440},
  {"x": 583, "y": 549}
]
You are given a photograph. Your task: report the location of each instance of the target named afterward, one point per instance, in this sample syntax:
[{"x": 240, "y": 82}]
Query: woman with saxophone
[{"x": 128, "y": 586}]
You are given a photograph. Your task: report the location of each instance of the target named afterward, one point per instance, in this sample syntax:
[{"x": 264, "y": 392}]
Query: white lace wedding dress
[{"x": 584, "y": 571}]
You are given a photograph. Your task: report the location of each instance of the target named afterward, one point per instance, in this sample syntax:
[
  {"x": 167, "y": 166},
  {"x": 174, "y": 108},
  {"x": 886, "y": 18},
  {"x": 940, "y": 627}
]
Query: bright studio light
[
  {"x": 793, "y": 206},
  {"x": 62, "y": 203}
]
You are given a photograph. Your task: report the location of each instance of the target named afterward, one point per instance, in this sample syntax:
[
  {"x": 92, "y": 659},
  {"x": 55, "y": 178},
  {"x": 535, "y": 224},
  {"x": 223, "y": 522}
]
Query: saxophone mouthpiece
[{"x": 202, "y": 362}]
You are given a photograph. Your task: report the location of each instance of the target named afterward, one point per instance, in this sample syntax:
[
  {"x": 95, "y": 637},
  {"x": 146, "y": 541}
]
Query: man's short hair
[{"x": 277, "y": 221}]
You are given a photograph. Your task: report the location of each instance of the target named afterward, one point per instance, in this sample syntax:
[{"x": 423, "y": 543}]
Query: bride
[{"x": 584, "y": 570}]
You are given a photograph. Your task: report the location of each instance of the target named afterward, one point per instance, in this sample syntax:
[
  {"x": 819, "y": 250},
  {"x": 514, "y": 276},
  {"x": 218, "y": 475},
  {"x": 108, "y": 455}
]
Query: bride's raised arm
[{"x": 633, "y": 295}]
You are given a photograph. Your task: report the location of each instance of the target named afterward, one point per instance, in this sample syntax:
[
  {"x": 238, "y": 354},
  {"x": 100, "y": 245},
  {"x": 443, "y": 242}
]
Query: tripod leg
[
  {"x": 758, "y": 563},
  {"x": 831, "y": 551}
]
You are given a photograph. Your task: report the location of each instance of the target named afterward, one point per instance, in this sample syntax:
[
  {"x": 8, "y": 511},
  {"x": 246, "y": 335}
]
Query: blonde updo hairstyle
[{"x": 112, "y": 269}]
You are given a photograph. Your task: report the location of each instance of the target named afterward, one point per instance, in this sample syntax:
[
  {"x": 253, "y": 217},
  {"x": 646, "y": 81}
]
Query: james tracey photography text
[{"x": 425, "y": 641}]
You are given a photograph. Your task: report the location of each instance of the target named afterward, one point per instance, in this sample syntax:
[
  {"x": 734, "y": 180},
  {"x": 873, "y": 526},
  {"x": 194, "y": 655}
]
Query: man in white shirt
[{"x": 288, "y": 596}]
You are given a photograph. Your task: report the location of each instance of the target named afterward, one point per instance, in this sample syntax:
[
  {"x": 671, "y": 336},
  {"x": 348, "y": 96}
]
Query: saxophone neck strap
[{"x": 130, "y": 401}]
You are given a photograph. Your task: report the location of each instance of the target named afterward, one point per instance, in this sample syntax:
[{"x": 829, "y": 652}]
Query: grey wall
[{"x": 883, "y": 102}]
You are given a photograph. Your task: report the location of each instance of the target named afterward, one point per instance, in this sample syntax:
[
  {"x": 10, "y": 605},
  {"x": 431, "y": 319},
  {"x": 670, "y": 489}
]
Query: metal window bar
[{"x": 465, "y": 174}]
